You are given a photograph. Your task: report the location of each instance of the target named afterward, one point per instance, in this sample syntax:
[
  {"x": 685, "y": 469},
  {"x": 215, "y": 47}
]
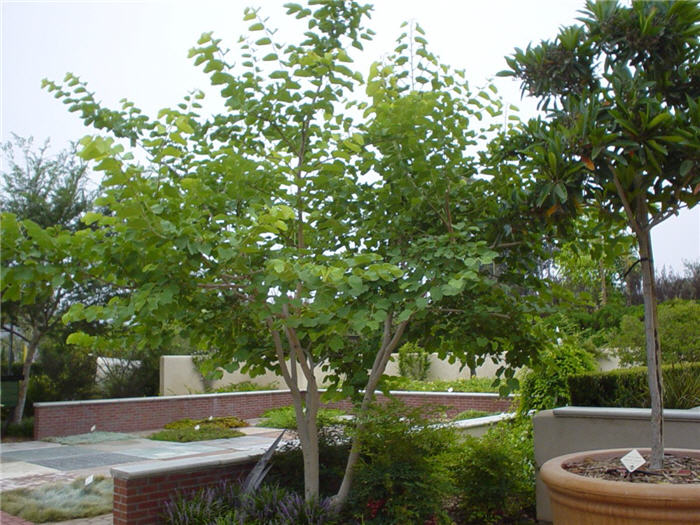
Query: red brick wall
[
  {"x": 140, "y": 501},
  {"x": 135, "y": 414}
]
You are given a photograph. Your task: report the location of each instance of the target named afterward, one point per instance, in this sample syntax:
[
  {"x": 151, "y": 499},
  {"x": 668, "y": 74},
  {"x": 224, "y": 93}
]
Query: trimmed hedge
[{"x": 628, "y": 387}]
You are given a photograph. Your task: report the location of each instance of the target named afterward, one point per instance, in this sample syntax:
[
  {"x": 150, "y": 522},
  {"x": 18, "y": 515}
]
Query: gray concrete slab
[
  {"x": 34, "y": 455},
  {"x": 87, "y": 459}
]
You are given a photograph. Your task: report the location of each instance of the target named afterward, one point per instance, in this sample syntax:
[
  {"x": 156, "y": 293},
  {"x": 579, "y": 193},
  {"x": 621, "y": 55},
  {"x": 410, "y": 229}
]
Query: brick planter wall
[
  {"x": 140, "y": 491},
  {"x": 150, "y": 413}
]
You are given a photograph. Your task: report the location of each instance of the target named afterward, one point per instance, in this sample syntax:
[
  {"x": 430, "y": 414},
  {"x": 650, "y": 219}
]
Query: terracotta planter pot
[{"x": 578, "y": 500}]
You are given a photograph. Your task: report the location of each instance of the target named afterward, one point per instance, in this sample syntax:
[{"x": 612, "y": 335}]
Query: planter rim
[{"x": 556, "y": 477}]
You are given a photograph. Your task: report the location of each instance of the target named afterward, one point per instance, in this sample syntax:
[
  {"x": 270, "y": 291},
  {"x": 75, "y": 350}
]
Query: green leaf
[{"x": 258, "y": 26}]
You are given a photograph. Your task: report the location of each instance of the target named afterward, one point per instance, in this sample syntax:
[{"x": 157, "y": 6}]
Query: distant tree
[
  {"x": 622, "y": 132},
  {"x": 43, "y": 197}
]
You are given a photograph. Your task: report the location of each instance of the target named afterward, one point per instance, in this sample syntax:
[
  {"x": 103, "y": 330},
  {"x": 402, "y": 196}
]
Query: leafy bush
[
  {"x": 225, "y": 503},
  {"x": 494, "y": 475},
  {"x": 285, "y": 417},
  {"x": 679, "y": 332},
  {"x": 288, "y": 462},
  {"x": 473, "y": 384},
  {"x": 545, "y": 386},
  {"x": 629, "y": 387},
  {"x": 414, "y": 362},
  {"x": 401, "y": 476}
]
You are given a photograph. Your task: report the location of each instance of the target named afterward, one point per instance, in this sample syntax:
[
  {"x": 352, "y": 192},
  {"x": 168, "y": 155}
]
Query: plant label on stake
[{"x": 632, "y": 460}]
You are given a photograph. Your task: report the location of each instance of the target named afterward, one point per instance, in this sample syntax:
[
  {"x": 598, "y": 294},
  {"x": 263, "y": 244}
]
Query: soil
[{"x": 677, "y": 470}]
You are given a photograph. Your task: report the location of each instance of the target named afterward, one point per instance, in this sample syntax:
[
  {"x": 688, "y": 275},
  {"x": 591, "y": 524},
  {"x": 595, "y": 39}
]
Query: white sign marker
[
  {"x": 92, "y": 428},
  {"x": 632, "y": 460},
  {"x": 196, "y": 427},
  {"x": 89, "y": 479}
]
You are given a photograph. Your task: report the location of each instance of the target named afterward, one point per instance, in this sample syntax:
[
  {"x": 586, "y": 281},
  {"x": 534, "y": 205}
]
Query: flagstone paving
[{"x": 33, "y": 463}]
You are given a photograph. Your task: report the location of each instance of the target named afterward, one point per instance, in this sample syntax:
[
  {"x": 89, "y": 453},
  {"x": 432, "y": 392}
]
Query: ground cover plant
[
  {"x": 285, "y": 417},
  {"x": 60, "y": 501},
  {"x": 186, "y": 430},
  {"x": 244, "y": 386},
  {"x": 472, "y": 414},
  {"x": 91, "y": 437}
]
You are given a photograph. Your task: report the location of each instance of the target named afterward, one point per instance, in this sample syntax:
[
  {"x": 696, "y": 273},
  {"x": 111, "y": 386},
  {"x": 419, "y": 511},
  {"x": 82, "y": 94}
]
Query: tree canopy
[{"x": 303, "y": 228}]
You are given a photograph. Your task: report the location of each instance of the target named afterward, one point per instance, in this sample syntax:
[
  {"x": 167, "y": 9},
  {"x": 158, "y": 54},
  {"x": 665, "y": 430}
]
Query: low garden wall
[
  {"x": 141, "y": 490},
  {"x": 577, "y": 429},
  {"x": 150, "y": 413}
]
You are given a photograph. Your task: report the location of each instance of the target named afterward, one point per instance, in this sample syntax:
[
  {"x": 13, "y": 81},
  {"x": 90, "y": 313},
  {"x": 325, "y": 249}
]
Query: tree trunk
[
  {"x": 389, "y": 344},
  {"x": 603, "y": 284},
  {"x": 24, "y": 384},
  {"x": 653, "y": 348}
]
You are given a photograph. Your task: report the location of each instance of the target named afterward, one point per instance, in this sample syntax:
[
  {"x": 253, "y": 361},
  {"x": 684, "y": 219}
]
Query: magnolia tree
[
  {"x": 622, "y": 133},
  {"x": 304, "y": 227}
]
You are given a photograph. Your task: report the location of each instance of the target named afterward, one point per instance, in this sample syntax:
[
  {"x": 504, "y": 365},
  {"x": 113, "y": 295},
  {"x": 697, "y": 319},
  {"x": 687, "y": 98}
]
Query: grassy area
[
  {"x": 186, "y": 430},
  {"x": 285, "y": 417},
  {"x": 60, "y": 501}
]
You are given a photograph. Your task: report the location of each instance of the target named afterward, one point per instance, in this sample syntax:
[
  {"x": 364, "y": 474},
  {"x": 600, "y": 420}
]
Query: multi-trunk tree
[
  {"x": 304, "y": 227},
  {"x": 622, "y": 132}
]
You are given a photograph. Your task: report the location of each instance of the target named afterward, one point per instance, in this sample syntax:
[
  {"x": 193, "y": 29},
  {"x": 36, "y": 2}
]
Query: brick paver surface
[{"x": 8, "y": 519}]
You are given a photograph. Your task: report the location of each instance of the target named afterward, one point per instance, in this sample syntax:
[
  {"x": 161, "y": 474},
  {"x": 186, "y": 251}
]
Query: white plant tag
[
  {"x": 632, "y": 460},
  {"x": 93, "y": 428},
  {"x": 89, "y": 479},
  {"x": 196, "y": 427}
]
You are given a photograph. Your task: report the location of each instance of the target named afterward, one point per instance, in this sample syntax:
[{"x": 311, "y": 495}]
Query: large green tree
[
  {"x": 622, "y": 131},
  {"x": 304, "y": 227},
  {"x": 43, "y": 197}
]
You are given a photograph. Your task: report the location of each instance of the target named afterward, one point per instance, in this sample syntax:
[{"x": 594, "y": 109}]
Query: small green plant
[
  {"x": 401, "y": 476},
  {"x": 494, "y": 475},
  {"x": 60, "y": 501},
  {"x": 285, "y": 417},
  {"x": 414, "y": 362}
]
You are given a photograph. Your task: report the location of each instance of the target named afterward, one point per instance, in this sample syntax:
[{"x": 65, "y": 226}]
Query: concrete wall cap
[
  {"x": 148, "y": 469},
  {"x": 625, "y": 413}
]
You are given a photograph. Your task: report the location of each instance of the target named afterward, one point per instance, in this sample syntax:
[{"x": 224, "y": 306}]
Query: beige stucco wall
[{"x": 577, "y": 429}]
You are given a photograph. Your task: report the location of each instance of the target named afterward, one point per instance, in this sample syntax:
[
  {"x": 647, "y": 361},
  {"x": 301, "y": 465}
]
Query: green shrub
[
  {"x": 401, "y": 476},
  {"x": 545, "y": 386},
  {"x": 414, "y": 362},
  {"x": 629, "y": 388},
  {"x": 245, "y": 386},
  {"x": 473, "y": 384},
  {"x": 679, "y": 332},
  {"x": 23, "y": 429},
  {"x": 285, "y": 417},
  {"x": 494, "y": 475}
]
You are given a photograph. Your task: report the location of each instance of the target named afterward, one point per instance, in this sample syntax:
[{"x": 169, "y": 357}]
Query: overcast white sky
[{"x": 138, "y": 50}]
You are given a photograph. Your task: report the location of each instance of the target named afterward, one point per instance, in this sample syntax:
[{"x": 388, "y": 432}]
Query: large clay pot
[{"x": 579, "y": 500}]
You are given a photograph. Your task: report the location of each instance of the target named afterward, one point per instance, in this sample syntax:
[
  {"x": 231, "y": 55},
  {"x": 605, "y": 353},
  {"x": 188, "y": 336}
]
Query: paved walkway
[{"x": 29, "y": 464}]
